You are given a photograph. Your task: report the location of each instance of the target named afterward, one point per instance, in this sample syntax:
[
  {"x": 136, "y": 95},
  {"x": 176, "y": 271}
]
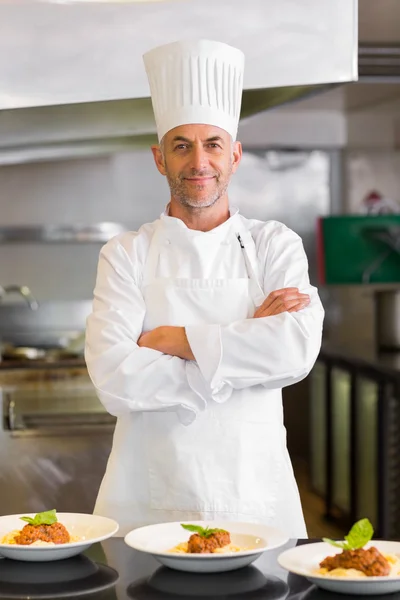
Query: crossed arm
[
  {"x": 174, "y": 341},
  {"x": 276, "y": 348},
  {"x": 180, "y": 369}
]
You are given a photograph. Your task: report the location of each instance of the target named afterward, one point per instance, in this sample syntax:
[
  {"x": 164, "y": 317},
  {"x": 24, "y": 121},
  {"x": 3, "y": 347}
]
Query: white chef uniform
[{"x": 200, "y": 439}]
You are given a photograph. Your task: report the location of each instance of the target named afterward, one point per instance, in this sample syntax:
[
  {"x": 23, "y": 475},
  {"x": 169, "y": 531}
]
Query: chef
[{"x": 199, "y": 320}]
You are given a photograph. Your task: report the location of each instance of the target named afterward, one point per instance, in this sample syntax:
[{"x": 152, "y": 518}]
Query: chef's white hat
[{"x": 195, "y": 82}]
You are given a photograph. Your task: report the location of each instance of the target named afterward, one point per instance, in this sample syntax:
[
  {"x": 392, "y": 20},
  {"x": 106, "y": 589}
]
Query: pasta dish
[
  {"x": 386, "y": 565},
  {"x": 356, "y": 560},
  {"x": 42, "y": 530},
  {"x": 206, "y": 541}
]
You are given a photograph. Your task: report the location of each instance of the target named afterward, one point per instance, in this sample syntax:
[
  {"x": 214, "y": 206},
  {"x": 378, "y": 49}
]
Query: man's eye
[
  {"x": 214, "y": 145},
  {"x": 181, "y": 147}
]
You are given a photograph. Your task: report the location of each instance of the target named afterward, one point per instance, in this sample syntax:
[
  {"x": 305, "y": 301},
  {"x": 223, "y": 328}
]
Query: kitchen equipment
[
  {"x": 55, "y": 324},
  {"x": 387, "y": 319},
  {"x": 26, "y": 353},
  {"x": 365, "y": 250},
  {"x": 21, "y": 290},
  {"x": 68, "y": 347},
  {"x": 53, "y": 429},
  {"x": 355, "y": 249},
  {"x": 31, "y": 353},
  {"x": 56, "y": 436}
]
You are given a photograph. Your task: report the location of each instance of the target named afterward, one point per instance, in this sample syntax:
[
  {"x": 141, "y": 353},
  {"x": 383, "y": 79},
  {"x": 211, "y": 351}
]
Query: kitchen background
[{"x": 71, "y": 175}]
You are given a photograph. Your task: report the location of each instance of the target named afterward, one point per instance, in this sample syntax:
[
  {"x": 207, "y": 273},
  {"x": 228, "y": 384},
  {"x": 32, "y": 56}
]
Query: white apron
[{"x": 231, "y": 463}]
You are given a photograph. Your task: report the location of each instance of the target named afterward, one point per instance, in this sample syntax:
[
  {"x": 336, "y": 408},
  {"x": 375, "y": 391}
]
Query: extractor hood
[{"x": 72, "y": 77}]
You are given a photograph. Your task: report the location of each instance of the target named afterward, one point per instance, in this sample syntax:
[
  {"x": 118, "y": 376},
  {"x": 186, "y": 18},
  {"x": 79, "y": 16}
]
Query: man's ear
[
  {"x": 237, "y": 155},
  {"x": 158, "y": 159}
]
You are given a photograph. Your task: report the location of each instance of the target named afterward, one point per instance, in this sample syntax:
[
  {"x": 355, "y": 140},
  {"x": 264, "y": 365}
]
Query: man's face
[{"x": 198, "y": 161}]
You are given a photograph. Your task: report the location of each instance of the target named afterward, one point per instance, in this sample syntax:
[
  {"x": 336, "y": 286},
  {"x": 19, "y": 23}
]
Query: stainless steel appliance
[
  {"x": 55, "y": 435},
  {"x": 54, "y": 441}
]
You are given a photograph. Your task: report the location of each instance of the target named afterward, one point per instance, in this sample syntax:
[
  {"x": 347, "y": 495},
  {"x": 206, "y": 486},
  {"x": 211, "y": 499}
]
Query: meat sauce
[
  {"x": 370, "y": 561},
  {"x": 205, "y": 545},
  {"x": 55, "y": 533}
]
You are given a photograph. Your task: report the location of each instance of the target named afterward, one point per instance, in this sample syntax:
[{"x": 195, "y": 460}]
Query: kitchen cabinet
[
  {"x": 341, "y": 438},
  {"x": 355, "y": 440},
  {"x": 318, "y": 428},
  {"x": 367, "y": 448}
]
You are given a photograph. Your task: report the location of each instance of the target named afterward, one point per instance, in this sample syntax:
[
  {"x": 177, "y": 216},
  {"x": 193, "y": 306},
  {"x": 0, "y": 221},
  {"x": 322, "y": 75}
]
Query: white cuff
[
  {"x": 186, "y": 415},
  {"x": 205, "y": 343},
  {"x": 197, "y": 382}
]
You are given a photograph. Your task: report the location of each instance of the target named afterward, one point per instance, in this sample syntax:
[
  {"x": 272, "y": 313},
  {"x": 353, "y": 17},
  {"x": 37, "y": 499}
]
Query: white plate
[
  {"x": 89, "y": 528},
  {"x": 158, "y": 539},
  {"x": 304, "y": 559}
]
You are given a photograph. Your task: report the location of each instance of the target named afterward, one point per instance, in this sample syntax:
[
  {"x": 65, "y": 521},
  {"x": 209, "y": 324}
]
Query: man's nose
[{"x": 198, "y": 159}]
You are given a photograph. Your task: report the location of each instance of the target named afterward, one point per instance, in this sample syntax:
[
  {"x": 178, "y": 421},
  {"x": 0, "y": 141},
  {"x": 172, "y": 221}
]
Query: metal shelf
[{"x": 98, "y": 232}]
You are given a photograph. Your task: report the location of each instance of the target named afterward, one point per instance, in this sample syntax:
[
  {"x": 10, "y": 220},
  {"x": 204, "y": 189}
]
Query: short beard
[{"x": 179, "y": 191}]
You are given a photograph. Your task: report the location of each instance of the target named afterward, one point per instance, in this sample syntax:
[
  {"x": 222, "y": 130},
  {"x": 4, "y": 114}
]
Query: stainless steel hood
[{"x": 72, "y": 81}]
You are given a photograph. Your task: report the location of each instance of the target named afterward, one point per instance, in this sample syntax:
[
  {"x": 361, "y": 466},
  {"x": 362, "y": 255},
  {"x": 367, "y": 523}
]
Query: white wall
[
  {"x": 368, "y": 170},
  {"x": 124, "y": 188}
]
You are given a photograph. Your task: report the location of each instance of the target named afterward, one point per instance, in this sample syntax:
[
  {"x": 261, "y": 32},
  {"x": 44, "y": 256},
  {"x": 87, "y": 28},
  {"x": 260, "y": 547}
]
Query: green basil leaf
[
  {"x": 194, "y": 529},
  {"x": 44, "y": 518},
  {"x": 359, "y": 534},
  {"x": 204, "y": 532},
  {"x": 28, "y": 520}
]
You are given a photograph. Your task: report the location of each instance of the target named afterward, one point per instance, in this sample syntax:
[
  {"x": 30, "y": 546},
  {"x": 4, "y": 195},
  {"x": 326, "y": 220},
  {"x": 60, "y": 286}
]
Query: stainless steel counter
[
  {"x": 34, "y": 365},
  {"x": 55, "y": 439}
]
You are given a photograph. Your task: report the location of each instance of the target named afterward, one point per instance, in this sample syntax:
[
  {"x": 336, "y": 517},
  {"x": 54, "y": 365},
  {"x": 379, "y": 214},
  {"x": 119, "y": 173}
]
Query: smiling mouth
[{"x": 199, "y": 179}]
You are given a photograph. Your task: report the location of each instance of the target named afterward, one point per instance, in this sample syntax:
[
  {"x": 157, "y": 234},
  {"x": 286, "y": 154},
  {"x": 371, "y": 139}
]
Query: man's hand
[
  {"x": 284, "y": 300},
  {"x": 168, "y": 340}
]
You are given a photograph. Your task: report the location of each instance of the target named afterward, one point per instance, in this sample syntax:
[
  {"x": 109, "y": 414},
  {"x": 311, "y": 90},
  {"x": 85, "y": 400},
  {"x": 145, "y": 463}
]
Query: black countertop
[
  {"x": 111, "y": 570},
  {"x": 363, "y": 357}
]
